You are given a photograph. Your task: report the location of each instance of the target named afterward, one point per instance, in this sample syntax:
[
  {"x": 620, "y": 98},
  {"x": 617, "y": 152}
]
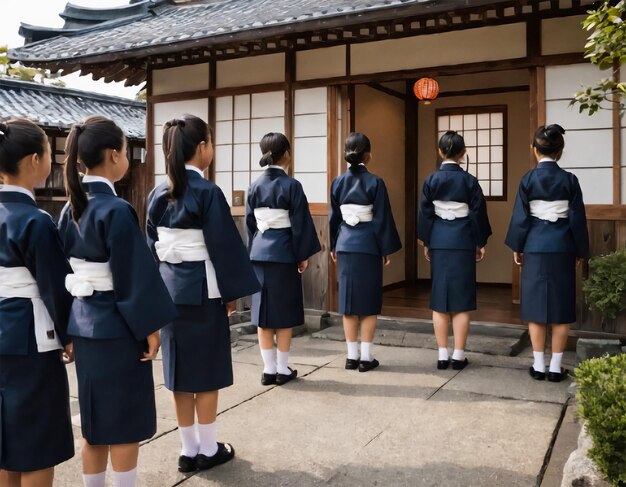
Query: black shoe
[
  {"x": 352, "y": 364},
  {"x": 558, "y": 376},
  {"x": 443, "y": 364},
  {"x": 186, "y": 464},
  {"x": 459, "y": 364},
  {"x": 536, "y": 375},
  {"x": 268, "y": 379},
  {"x": 365, "y": 366},
  {"x": 282, "y": 379},
  {"x": 225, "y": 453}
]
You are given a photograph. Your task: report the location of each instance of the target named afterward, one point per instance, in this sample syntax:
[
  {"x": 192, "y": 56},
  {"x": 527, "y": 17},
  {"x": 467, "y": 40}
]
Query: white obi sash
[
  {"x": 88, "y": 277},
  {"x": 549, "y": 210},
  {"x": 267, "y": 218},
  {"x": 18, "y": 282},
  {"x": 178, "y": 245},
  {"x": 355, "y": 214},
  {"x": 450, "y": 210}
]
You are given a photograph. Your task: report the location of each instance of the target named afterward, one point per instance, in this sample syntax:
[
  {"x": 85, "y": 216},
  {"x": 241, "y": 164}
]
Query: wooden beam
[
  {"x": 485, "y": 91},
  {"x": 387, "y": 91},
  {"x": 617, "y": 140},
  {"x": 606, "y": 212},
  {"x": 410, "y": 183}
]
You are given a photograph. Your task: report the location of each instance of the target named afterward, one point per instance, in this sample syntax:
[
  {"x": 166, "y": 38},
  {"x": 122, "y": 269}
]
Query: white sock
[
  {"x": 443, "y": 354},
  {"x": 269, "y": 361},
  {"x": 539, "y": 365},
  {"x": 458, "y": 354},
  {"x": 353, "y": 350},
  {"x": 555, "y": 362},
  {"x": 208, "y": 441},
  {"x": 366, "y": 351},
  {"x": 125, "y": 479},
  {"x": 189, "y": 440},
  {"x": 282, "y": 361},
  {"x": 95, "y": 479}
]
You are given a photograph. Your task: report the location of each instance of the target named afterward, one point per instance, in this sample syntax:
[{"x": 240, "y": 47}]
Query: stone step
[{"x": 487, "y": 338}]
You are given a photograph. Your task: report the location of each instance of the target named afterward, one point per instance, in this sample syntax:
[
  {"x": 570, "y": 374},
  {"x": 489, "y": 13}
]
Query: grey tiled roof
[
  {"x": 53, "y": 107},
  {"x": 168, "y": 23}
]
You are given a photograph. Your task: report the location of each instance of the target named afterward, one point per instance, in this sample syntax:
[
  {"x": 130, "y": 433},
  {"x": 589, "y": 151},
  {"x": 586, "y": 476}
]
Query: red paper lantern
[{"x": 426, "y": 89}]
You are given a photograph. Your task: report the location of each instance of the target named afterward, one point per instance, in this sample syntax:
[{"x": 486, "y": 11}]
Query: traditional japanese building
[
  {"x": 55, "y": 110},
  {"x": 318, "y": 70}
]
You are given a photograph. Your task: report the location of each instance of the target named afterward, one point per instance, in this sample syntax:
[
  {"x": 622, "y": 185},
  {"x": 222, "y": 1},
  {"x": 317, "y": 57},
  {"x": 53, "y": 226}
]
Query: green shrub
[
  {"x": 602, "y": 403},
  {"x": 605, "y": 290}
]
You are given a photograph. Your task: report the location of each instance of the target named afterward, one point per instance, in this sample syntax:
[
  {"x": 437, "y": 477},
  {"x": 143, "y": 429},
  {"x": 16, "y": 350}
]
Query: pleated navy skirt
[
  {"x": 35, "y": 421},
  {"x": 548, "y": 292},
  {"x": 115, "y": 391},
  {"x": 279, "y": 304},
  {"x": 196, "y": 349},
  {"x": 360, "y": 284},
  {"x": 453, "y": 280}
]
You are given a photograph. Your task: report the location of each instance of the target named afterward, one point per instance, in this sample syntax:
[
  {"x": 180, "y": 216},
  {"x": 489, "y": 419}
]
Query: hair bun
[{"x": 554, "y": 130}]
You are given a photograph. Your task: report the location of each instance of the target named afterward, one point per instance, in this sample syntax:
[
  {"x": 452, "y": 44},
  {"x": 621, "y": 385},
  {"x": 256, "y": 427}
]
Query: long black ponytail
[
  {"x": 181, "y": 137},
  {"x": 86, "y": 143}
]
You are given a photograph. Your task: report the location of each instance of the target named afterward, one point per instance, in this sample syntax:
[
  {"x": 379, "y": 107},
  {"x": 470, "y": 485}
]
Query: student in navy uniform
[
  {"x": 281, "y": 238},
  {"x": 35, "y": 427},
  {"x": 120, "y": 303},
  {"x": 205, "y": 266},
  {"x": 454, "y": 227},
  {"x": 362, "y": 237},
  {"x": 548, "y": 232}
]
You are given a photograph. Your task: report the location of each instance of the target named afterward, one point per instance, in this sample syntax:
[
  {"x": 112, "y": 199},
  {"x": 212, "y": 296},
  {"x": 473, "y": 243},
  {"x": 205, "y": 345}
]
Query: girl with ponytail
[
  {"x": 548, "y": 233},
  {"x": 34, "y": 308},
  {"x": 454, "y": 227},
  {"x": 120, "y": 304},
  {"x": 281, "y": 238},
  {"x": 205, "y": 266},
  {"x": 363, "y": 235}
]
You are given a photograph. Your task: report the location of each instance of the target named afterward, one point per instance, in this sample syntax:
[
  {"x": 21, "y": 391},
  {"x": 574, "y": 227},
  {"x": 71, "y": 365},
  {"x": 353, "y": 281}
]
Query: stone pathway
[{"x": 405, "y": 424}]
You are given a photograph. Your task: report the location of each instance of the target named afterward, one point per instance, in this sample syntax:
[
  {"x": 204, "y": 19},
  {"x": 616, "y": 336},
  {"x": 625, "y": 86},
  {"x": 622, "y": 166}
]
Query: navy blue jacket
[
  {"x": 203, "y": 206},
  {"x": 275, "y": 189},
  {"x": 29, "y": 238},
  {"x": 547, "y": 181},
  {"x": 358, "y": 186},
  {"x": 452, "y": 183},
  {"x": 108, "y": 231}
]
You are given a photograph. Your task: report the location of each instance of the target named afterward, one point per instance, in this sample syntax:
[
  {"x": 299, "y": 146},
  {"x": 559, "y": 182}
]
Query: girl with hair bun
[
  {"x": 281, "y": 238},
  {"x": 35, "y": 428},
  {"x": 363, "y": 235},
  {"x": 454, "y": 228},
  {"x": 120, "y": 304},
  {"x": 205, "y": 266},
  {"x": 548, "y": 233}
]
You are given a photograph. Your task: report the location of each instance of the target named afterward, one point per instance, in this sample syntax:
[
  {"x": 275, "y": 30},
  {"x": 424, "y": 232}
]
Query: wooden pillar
[
  {"x": 617, "y": 140},
  {"x": 333, "y": 164},
  {"x": 410, "y": 184},
  {"x": 290, "y": 77},
  {"x": 212, "y": 107}
]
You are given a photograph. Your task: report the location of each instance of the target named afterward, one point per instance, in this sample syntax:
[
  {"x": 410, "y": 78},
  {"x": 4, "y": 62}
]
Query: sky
[{"x": 46, "y": 13}]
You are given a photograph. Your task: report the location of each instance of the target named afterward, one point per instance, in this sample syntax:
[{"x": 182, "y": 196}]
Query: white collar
[
  {"x": 189, "y": 167},
  {"x": 448, "y": 161},
  {"x": 546, "y": 159},
  {"x": 99, "y": 179},
  {"x": 275, "y": 166},
  {"x": 16, "y": 189}
]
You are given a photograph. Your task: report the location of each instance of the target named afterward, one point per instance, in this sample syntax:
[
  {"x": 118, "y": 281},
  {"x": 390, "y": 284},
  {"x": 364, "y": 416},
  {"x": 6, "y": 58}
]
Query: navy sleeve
[
  {"x": 383, "y": 223},
  {"x": 304, "y": 236},
  {"x": 234, "y": 272},
  {"x": 46, "y": 261},
  {"x": 426, "y": 215},
  {"x": 520, "y": 220},
  {"x": 151, "y": 227},
  {"x": 251, "y": 228},
  {"x": 140, "y": 294},
  {"x": 578, "y": 220},
  {"x": 335, "y": 218},
  {"x": 478, "y": 215}
]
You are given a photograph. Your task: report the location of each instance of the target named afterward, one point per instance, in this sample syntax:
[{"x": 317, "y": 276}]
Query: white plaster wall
[
  {"x": 184, "y": 78},
  {"x": 253, "y": 70},
  {"x": 381, "y": 118},
  {"x": 448, "y": 48},
  {"x": 321, "y": 63},
  {"x": 563, "y": 35}
]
